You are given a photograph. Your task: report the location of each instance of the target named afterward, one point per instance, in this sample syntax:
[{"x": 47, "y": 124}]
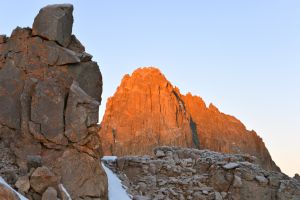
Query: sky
[{"x": 243, "y": 56}]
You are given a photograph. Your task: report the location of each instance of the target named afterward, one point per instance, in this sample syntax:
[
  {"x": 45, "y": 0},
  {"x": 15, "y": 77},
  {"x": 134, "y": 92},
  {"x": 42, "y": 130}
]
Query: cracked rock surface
[
  {"x": 182, "y": 173},
  {"x": 50, "y": 92}
]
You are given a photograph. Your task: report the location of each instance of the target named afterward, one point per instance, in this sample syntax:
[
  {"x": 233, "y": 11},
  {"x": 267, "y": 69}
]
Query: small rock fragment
[
  {"x": 297, "y": 177},
  {"x": 262, "y": 180},
  {"x": 139, "y": 197},
  {"x": 237, "y": 182},
  {"x": 231, "y": 165},
  {"x": 50, "y": 194},
  {"x": 159, "y": 154},
  {"x": 218, "y": 196},
  {"x": 23, "y": 184},
  {"x": 34, "y": 161}
]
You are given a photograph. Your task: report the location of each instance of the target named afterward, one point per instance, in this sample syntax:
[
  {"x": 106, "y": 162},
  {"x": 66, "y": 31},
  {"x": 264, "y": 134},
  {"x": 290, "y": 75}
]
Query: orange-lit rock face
[
  {"x": 147, "y": 111},
  {"x": 224, "y": 133}
]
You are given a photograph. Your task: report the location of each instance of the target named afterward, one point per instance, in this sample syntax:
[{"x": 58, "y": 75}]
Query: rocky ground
[
  {"x": 8, "y": 166},
  {"x": 182, "y": 173}
]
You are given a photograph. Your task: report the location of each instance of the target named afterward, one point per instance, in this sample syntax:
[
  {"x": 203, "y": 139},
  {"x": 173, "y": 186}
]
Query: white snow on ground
[
  {"x": 116, "y": 190},
  {"x": 61, "y": 186},
  {"x": 4, "y": 183},
  {"x": 109, "y": 158},
  {"x": 115, "y": 187}
]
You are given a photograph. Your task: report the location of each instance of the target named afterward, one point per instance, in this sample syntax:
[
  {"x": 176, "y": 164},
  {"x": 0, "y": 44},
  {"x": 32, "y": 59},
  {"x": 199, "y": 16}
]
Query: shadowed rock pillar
[{"x": 50, "y": 92}]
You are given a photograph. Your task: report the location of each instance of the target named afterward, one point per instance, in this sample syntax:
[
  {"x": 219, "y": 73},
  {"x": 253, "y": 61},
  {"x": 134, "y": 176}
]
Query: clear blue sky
[{"x": 244, "y": 56}]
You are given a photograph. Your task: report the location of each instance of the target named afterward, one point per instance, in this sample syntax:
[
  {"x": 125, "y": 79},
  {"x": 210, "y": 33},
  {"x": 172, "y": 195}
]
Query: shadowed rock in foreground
[
  {"x": 182, "y": 173},
  {"x": 50, "y": 91},
  {"x": 148, "y": 111}
]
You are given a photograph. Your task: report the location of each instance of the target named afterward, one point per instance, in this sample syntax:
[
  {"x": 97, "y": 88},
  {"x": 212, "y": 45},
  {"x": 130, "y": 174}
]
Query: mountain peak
[
  {"x": 144, "y": 78},
  {"x": 149, "y": 75},
  {"x": 148, "y": 111},
  {"x": 151, "y": 70}
]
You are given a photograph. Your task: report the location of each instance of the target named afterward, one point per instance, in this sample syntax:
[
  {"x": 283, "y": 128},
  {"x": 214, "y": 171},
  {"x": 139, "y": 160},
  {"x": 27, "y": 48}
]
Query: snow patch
[
  {"x": 116, "y": 191},
  {"x": 8, "y": 186},
  {"x": 109, "y": 158},
  {"x": 61, "y": 186}
]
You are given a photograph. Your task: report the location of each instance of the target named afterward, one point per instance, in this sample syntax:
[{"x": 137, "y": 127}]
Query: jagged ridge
[{"x": 148, "y": 111}]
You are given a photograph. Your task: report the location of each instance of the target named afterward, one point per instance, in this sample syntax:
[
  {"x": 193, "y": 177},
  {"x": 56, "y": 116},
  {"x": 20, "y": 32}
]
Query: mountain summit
[{"x": 147, "y": 111}]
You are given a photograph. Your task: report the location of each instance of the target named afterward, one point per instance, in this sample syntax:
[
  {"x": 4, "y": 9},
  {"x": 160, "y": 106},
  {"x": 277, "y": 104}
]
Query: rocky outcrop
[
  {"x": 50, "y": 91},
  {"x": 147, "y": 111},
  {"x": 182, "y": 173},
  {"x": 58, "y": 30}
]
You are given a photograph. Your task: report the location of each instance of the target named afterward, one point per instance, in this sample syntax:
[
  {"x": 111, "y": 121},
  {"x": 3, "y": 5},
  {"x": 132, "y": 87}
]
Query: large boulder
[
  {"x": 54, "y": 22},
  {"x": 77, "y": 180},
  {"x": 42, "y": 178},
  {"x": 50, "y": 92}
]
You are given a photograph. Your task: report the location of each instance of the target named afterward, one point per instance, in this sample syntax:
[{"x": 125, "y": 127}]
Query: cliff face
[
  {"x": 50, "y": 91},
  {"x": 147, "y": 111}
]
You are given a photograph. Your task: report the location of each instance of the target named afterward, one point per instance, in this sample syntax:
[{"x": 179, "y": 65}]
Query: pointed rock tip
[
  {"x": 212, "y": 107},
  {"x": 54, "y": 22},
  {"x": 189, "y": 94},
  {"x": 177, "y": 90},
  {"x": 195, "y": 98},
  {"x": 147, "y": 70},
  {"x": 144, "y": 73}
]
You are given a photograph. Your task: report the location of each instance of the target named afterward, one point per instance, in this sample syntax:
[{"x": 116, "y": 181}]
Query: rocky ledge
[
  {"x": 183, "y": 173},
  {"x": 50, "y": 91}
]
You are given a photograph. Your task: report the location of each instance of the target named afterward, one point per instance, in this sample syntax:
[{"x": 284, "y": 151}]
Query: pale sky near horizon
[{"x": 243, "y": 56}]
